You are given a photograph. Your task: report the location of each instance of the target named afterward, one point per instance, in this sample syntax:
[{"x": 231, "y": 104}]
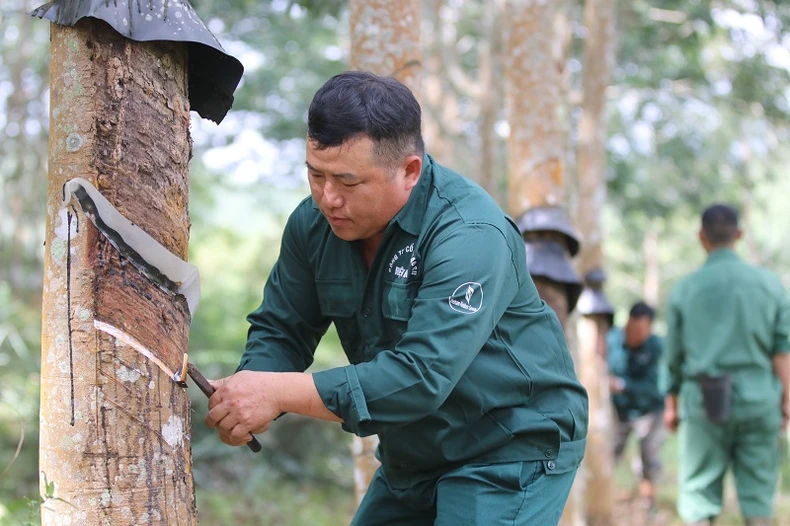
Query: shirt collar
[
  {"x": 411, "y": 215},
  {"x": 722, "y": 254}
]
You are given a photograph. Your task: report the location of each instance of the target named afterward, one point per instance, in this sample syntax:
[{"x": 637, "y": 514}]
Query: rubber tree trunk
[
  {"x": 536, "y": 154},
  {"x": 490, "y": 97},
  {"x": 597, "y": 66},
  {"x": 114, "y": 429},
  {"x": 536, "y": 144},
  {"x": 385, "y": 39}
]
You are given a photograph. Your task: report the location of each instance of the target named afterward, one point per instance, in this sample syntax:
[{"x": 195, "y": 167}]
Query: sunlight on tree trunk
[
  {"x": 115, "y": 430},
  {"x": 385, "y": 39},
  {"x": 593, "y": 372}
]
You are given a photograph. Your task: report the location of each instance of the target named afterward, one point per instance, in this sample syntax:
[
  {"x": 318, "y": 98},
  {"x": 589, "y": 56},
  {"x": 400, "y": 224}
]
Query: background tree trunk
[
  {"x": 536, "y": 144},
  {"x": 114, "y": 429},
  {"x": 598, "y": 64},
  {"x": 385, "y": 39},
  {"x": 490, "y": 97}
]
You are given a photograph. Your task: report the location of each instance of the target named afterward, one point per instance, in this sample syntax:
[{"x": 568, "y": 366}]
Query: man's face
[
  {"x": 356, "y": 194},
  {"x": 637, "y": 330}
]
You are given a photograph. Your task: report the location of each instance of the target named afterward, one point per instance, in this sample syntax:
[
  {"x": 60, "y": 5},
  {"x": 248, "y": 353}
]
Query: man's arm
[
  {"x": 284, "y": 333},
  {"x": 781, "y": 356},
  {"x": 781, "y": 364},
  {"x": 286, "y": 328},
  {"x": 673, "y": 347}
]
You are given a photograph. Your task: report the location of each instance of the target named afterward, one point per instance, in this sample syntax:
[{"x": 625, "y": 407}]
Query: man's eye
[{"x": 347, "y": 185}]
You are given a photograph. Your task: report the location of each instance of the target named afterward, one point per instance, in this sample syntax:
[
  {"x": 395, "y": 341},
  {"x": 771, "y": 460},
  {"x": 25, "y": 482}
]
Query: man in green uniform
[
  {"x": 729, "y": 369},
  {"x": 634, "y": 356},
  {"x": 455, "y": 362}
]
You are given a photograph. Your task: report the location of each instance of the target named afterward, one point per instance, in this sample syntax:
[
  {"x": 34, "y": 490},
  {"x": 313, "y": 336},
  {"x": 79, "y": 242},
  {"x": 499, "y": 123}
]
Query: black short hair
[
  {"x": 640, "y": 309},
  {"x": 360, "y": 103},
  {"x": 720, "y": 224}
]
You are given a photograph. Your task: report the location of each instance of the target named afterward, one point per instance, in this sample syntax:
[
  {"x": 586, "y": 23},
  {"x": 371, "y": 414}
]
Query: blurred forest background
[{"x": 698, "y": 108}]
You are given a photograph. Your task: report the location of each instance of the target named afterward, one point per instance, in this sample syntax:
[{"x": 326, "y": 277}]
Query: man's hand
[
  {"x": 671, "y": 419},
  {"x": 616, "y": 384},
  {"x": 248, "y": 401},
  {"x": 243, "y": 403}
]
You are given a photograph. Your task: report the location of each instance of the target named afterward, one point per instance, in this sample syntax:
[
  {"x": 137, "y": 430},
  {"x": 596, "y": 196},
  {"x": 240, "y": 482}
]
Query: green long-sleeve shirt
[
  {"x": 453, "y": 356},
  {"x": 728, "y": 317},
  {"x": 639, "y": 369}
]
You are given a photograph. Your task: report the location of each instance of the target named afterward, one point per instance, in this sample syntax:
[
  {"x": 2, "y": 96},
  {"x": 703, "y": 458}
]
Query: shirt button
[
  {"x": 551, "y": 464},
  {"x": 549, "y": 453},
  {"x": 366, "y": 313}
]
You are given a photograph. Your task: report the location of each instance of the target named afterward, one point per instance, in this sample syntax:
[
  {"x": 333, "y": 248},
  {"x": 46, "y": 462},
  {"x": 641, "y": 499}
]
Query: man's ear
[
  {"x": 738, "y": 234},
  {"x": 412, "y": 168}
]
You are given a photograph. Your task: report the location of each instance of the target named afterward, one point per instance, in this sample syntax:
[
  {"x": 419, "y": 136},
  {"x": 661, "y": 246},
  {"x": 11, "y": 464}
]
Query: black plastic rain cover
[
  {"x": 549, "y": 218},
  {"x": 213, "y": 74},
  {"x": 546, "y": 259}
]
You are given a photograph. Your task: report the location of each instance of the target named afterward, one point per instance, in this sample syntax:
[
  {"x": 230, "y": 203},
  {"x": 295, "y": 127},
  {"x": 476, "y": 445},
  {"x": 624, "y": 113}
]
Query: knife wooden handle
[{"x": 204, "y": 386}]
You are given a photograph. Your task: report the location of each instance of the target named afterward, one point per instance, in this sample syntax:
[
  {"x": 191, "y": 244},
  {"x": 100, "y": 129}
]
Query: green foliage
[{"x": 699, "y": 112}]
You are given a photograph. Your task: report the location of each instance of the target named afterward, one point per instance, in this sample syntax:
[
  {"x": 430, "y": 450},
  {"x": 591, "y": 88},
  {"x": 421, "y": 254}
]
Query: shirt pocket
[
  {"x": 336, "y": 298},
  {"x": 338, "y": 302},
  {"x": 397, "y": 301}
]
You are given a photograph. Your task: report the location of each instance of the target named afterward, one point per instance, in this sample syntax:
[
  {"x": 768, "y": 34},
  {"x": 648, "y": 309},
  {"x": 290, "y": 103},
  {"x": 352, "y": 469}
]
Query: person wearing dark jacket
[
  {"x": 634, "y": 356},
  {"x": 454, "y": 361}
]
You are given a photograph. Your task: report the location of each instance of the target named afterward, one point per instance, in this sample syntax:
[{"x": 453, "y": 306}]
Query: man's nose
[{"x": 332, "y": 197}]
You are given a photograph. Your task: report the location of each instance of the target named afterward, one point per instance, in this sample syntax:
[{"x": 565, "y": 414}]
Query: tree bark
[
  {"x": 386, "y": 40},
  {"x": 490, "y": 97},
  {"x": 598, "y": 61},
  {"x": 591, "y": 150},
  {"x": 555, "y": 296},
  {"x": 598, "y": 460},
  {"x": 535, "y": 146},
  {"x": 537, "y": 142},
  {"x": 115, "y": 429}
]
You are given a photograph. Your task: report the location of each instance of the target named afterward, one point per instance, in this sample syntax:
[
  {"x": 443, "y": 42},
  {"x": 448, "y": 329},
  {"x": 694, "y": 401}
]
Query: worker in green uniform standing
[
  {"x": 455, "y": 362},
  {"x": 729, "y": 373},
  {"x": 634, "y": 358}
]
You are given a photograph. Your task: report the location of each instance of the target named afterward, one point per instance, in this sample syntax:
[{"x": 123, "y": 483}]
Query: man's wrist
[{"x": 297, "y": 393}]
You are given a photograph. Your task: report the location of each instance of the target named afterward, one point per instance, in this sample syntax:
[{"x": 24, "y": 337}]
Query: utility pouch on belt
[{"x": 716, "y": 396}]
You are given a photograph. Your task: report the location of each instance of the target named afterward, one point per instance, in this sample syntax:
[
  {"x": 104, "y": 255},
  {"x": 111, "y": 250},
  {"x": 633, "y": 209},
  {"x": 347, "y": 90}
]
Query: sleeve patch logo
[{"x": 467, "y": 298}]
